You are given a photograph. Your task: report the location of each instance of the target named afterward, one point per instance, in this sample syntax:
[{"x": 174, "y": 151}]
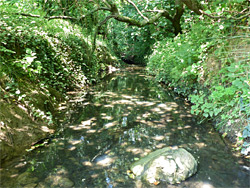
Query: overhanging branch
[
  {"x": 97, "y": 30},
  {"x": 63, "y": 17},
  {"x": 137, "y": 23},
  {"x": 28, "y": 15},
  {"x": 193, "y": 5},
  {"x": 139, "y": 12}
]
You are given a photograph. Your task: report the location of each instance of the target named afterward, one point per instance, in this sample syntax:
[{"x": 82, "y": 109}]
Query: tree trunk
[
  {"x": 193, "y": 5},
  {"x": 177, "y": 17},
  {"x": 177, "y": 27}
]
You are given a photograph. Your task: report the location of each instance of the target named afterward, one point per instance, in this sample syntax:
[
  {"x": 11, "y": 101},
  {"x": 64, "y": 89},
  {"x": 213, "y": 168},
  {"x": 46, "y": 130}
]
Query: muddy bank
[
  {"x": 31, "y": 115},
  {"x": 26, "y": 117}
]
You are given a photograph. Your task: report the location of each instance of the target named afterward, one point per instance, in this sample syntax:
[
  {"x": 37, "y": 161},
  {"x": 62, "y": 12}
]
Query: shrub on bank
[
  {"x": 210, "y": 66},
  {"x": 40, "y": 61},
  {"x": 52, "y": 53}
]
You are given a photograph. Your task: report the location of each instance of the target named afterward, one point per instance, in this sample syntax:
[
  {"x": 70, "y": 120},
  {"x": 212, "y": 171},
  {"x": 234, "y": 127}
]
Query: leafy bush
[
  {"x": 54, "y": 54},
  {"x": 177, "y": 61},
  {"x": 210, "y": 66},
  {"x": 133, "y": 44}
]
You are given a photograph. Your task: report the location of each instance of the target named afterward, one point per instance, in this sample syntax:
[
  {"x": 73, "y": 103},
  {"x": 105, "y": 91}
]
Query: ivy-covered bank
[
  {"x": 40, "y": 61},
  {"x": 209, "y": 65}
]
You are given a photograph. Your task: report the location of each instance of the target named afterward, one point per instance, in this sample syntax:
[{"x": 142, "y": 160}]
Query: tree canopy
[{"x": 141, "y": 13}]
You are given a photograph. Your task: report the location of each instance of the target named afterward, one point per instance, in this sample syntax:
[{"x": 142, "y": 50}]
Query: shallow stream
[{"x": 115, "y": 123}]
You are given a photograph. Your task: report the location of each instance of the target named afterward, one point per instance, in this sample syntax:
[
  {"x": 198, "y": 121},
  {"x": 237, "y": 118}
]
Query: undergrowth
[
  {"x": 54, "y": 54},
  {"x": 210, "y": 66}
]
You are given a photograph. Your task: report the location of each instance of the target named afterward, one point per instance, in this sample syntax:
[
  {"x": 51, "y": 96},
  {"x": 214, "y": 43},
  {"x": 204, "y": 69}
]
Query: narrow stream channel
[{"x": 115, "y": 123}]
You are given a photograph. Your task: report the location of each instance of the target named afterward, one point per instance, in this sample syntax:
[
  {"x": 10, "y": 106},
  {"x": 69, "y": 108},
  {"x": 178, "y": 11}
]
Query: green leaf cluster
[
  {"x": 209, "y": 64},
  {"x": 52, "y": 53}
]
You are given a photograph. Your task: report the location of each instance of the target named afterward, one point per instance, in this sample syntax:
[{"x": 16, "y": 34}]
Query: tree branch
[
  {"x": 176, "y": 21},
  {"x": 97, "y": 29},
  {"x": 133, "y": 22},
  {"x": 62, "y": 17},
  {"x": 28, "y": 15},
  {"x": 193, "y": 5},
  {"x": 105, "y": 20},
  {"x": 106, "y": 3},
  {"x": 165, "y": 14},
  {"x": 139, "y": 12},
  {"x": 146, "y": 5},
  {"x": 211, "y": 16},
  {"x": 243, "y": 16},
  {"x": 179, "y": 9}
]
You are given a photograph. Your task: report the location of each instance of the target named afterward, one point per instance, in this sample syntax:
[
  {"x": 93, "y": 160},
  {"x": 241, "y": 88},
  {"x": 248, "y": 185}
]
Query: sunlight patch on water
[
  {"x": 123, "y": 101},
  {"x": 127, "y": 96},
  {"x": 158, "y": 137},
  {"x": 72, "y": 148},
  {"x": 75, "y": 142},
  {"x": 91, "y": 131},
  {"x": 207, "y": 185},
  {"x": 134, "y": 150},
  {"x": 161, "y": 145},
  {"x": 106, "y": 161},
  {"x": 111, "y": 124},
  {"x": 132, "y": 118},
  {"x": 109, "y": 106},
  {"x": 108, "y": 117},
  {"x": 87, "y": 163},
  {"x": 201, "y": 145}
]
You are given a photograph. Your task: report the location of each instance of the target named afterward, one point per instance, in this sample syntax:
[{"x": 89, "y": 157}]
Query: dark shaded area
[
  {"x": 128, "y": 61},
  {"x": 131, "y": 61}
]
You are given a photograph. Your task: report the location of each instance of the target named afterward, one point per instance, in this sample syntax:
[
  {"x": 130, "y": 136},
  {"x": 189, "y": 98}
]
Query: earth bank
[{"x": 38, "y": 66}]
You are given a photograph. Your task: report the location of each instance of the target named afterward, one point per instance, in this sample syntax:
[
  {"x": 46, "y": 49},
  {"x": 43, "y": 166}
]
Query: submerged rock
[
  {"x": 57, "y": 180},
  {"x": 168, "y": 164},
  {"x": 42, "y": 185},
  {"x": 104, "y": 160},
  {"x": 31, "y": 185},
  {"x": 26, "y": 178}
]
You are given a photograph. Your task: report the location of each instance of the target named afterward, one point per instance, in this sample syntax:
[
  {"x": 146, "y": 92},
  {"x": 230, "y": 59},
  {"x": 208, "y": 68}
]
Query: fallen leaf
[
  {"x": 156, "y": 182},
  {"x": 130, "y": 174},
  {"x": 129, "y": 171}
]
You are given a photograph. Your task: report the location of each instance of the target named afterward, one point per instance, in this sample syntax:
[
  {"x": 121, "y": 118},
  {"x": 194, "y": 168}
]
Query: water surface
[{"x": 115, "y": 123}]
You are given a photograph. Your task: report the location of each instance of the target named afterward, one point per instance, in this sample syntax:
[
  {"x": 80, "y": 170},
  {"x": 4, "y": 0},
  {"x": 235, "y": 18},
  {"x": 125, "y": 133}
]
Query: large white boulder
[{"x": 168, "y": 164}]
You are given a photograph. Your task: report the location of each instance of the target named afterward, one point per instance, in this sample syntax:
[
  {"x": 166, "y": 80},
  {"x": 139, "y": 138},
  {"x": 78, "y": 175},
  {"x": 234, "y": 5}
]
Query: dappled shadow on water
[{"x": 117, "y": 122}]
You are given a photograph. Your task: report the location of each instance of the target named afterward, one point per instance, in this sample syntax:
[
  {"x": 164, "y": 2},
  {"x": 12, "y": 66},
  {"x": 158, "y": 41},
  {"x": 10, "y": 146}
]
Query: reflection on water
[{"x": 122, "y": 119}]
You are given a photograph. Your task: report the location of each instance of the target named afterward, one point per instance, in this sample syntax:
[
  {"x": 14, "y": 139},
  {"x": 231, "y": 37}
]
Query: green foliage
[
  {"x": 32, "y": 44},
  {"x": 245, "y": 148},
  {"x": 33, "y": 50},
  {"x": 209, "y": 64},
  {"x": 54, "y": 54},
  {"x": 178, "y": 62},
  {"x": 132, "y": 44},
  {"x": 200, "y": 63}
]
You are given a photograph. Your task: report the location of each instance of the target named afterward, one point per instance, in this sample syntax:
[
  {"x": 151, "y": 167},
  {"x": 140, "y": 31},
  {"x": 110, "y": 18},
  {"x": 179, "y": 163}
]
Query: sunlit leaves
[
  {"x": 211, "y": 61},
  {"x": 246, "y": 132},
  {"x": 246, "y": 135},
  {"x": 238, "y": 1}
]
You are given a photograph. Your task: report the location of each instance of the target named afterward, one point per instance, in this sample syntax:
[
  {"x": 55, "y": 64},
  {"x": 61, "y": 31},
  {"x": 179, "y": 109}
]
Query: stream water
[{"x": 115, "y": 123}]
